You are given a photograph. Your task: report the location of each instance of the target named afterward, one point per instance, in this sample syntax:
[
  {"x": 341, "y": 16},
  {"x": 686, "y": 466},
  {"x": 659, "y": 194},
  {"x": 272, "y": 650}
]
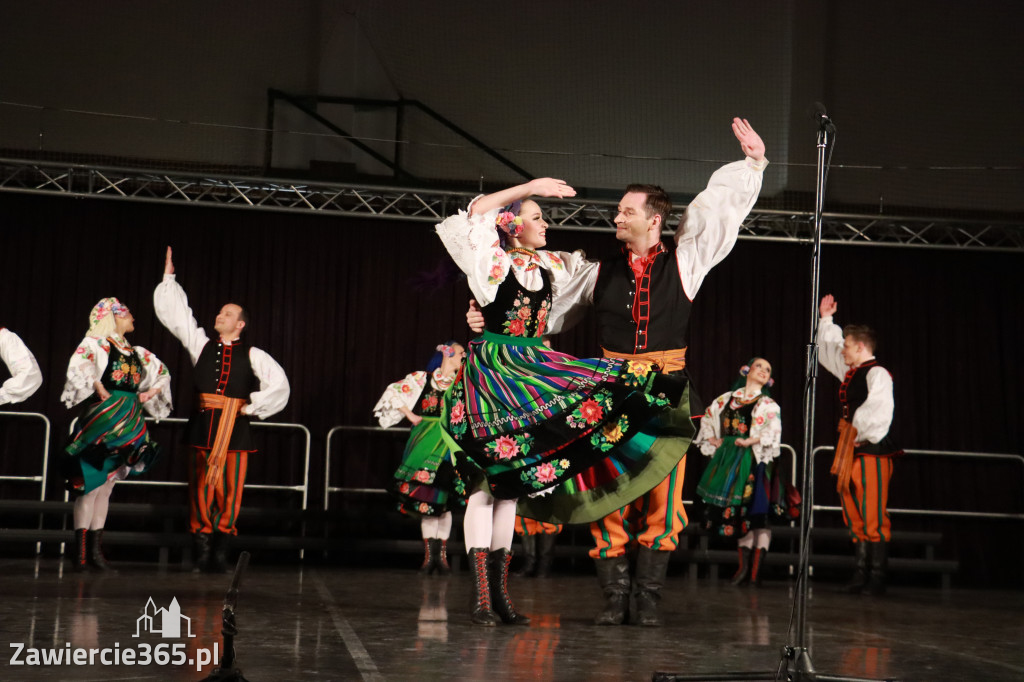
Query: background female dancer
[
  {"x": 426, "y": 479},
  {"x": 582, "y": 437},
  {"x": 742, "y": 430},
  {"x": 110, "y": 441}
]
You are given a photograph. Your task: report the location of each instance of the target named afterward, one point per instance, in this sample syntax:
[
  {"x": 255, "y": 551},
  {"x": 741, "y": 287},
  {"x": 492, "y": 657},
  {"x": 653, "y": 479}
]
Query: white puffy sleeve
[
  {"x": 25, "y": 375},
  {"x": 86, "y": 366},
  {"x": 830, "y": 347},
  {"x": 873, "y": 418},
  {"x": 155, "y": 375},
  {"x": 767, "y": 429},
  {"x": 400, "y": 394},
  {"x": 472, "y": 242},
  {"x": 711, "y": 224},
  {"x": 274, "y": 388},
  {"x": 171, "y": 306},
  {"x": 710, "y": 425},
  {"x": 572, "y": 288}
]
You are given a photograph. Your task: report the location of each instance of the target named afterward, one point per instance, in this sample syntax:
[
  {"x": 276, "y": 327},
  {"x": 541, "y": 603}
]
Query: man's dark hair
[
  {"x": 657, "y": 201},
  {"x": 243, "y": 314},
  {"x": 862, "y": 334}
]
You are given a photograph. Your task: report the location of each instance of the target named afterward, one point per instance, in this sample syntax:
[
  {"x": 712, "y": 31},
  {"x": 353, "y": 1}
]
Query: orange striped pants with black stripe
[
  {"x": 866, "y": 501},
  {"x": 525, "y": 526},
  {"x": 654, "y": 520},
  {"x": 215, "y": 507}
]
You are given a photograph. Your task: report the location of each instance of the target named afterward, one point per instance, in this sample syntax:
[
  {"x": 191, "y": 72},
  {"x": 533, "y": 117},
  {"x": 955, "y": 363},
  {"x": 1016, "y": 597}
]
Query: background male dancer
[
  {"x": 864, "y": 453},
  {"x": 642, "y": 297},
  {"x": 234, "y": 382}
]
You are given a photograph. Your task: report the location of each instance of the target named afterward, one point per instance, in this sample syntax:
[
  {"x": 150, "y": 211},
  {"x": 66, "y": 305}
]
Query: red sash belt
[{"x": 229, "y": 408}]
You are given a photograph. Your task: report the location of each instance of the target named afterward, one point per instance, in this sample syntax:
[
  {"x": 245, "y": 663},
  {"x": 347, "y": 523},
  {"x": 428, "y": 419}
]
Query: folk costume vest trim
[
  {"x": 222, "y": 369},
  {"x": 640, "y": 314}
]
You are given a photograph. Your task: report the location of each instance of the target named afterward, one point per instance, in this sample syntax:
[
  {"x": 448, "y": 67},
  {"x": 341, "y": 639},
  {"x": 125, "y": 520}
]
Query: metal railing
[
  {"x": 41, "y": 478},
  {"x": 994, "y": 456}
]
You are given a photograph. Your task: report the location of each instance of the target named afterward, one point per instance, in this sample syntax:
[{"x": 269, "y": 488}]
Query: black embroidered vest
[
  {"x": 853, "y": 392},
  {"x": 663, "y": 310},
  {"x": 517, "y": 311},
  {"x": 224, "y": 370}
]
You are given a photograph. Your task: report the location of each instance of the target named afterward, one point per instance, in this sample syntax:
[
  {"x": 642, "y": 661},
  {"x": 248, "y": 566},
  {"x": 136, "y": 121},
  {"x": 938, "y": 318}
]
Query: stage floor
[{"x": 337, "y": 623}]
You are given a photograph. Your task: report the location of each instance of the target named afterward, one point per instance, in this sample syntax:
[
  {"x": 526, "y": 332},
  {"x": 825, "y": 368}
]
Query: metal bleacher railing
[{"x": 41, "y": 478}]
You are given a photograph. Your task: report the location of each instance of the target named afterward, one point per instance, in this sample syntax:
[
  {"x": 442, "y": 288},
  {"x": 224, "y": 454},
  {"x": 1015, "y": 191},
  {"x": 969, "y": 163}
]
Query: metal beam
[{"x": 432, "y": 205}]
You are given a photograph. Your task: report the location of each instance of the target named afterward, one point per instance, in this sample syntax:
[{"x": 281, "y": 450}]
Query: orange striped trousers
[
  {"x": 215, "y": 507},
  {"x": 655, "y": 520},
  {"x": 866, "y": 501},
  {"x": 526, "y": 526}
]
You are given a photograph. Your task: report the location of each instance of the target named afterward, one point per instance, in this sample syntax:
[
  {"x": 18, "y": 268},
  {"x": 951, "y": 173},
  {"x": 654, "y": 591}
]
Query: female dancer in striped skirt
[
  {"x": 110, "y": 441},
  {"x": 426, "y": 483},
  {"x": 580, "y": 437}
]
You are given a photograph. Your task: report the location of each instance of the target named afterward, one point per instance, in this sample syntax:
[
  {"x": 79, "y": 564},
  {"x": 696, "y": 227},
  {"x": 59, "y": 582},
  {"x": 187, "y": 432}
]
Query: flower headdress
[
  {"x": 443, "y": 350},
  {"x": 446, "y": 350},
  {"x": 101, "y": 317},
  {"x": 508, "y": 220}
]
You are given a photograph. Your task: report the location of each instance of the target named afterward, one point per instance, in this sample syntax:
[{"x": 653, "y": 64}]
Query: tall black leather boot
[
  {"x": 429, "y": 557},
  {"x": 860, "y": 575},
  {"x": 219, "y": 561},
  {"x": 441, "y": 551},
  {"x": 529, "y": 566},
  {"x": 742, "y": 574},
  {"x": 545, "y": 554},
  {"x": 483, "y": 613},
  {"x": 757, "y": 566},
  {"x": 200, "y": 552},
  {"x": 80, "y": 561},
  {"x": 500, "y": 560},
  {"x": 94, "y": 539},
  {"x": 879, "y": 557},
  {"x": 613, "y": 575},
  {"x": 651, "y": 568}
]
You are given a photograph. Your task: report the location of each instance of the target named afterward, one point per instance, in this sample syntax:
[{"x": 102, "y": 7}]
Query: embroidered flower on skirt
[
  {"x": 608, "y": 437},
  {"x": 542, "y": 475},
  {"x": 504, "y": 448}
]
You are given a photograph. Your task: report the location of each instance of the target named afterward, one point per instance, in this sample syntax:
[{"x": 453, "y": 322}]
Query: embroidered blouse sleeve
[
  {"x": 171, "y": 306},
  {"x": 710, "y": 425},
  {"x": 25, "y": 375},
  {"x": 830, "y": 347},
  {"x": 572, "y": 288},
  {"x": 274, "y": 388},
  {"x": 711, "y": 223},
  {"x": 874, "y": 417},
  {"x": 85, "y": 367},
  {"x": 472, "y": 242},
  {"x": 400, "y": 394},
  {"x": 767, "y": 428},
  {"x": 155, "y": 375}
]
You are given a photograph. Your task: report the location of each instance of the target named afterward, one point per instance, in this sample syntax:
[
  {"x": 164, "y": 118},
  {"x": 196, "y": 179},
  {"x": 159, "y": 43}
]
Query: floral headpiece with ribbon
[
  {"x": 508, "y": 220},
  {"x": 446, "y": 350},
  {"x": 100, "y": 321}
]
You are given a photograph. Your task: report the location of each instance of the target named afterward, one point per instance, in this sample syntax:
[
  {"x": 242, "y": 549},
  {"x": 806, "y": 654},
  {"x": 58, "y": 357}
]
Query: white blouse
[
  {"x": 400, "y": 394},
  {"x": 90, "y": 361},
  {"x": 472, "y": 242},
  {"x": 707, "y": 233},
  {"x": 766, "y": 426},
  {"x": 171, "y": 306},
  {"x": 25, "y": 375},
  {"x": 873, "y": 418}
]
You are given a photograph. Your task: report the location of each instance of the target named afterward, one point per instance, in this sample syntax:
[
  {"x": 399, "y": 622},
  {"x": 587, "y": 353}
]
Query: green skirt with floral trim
[{"x": 426, "y": 482}]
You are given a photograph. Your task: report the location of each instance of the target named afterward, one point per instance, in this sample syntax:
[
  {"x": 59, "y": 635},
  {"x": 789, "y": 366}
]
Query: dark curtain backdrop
[{"x": 341, "y": 304}]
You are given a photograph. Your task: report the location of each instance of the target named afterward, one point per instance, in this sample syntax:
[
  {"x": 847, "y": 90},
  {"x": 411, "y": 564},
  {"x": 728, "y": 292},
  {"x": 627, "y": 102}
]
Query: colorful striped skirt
[
  {"x": 426, "y": 482},
  {"x": 110, "y": 435},
  {"x": 573, "y": 439},
  {"x": 736, "y": 489}
]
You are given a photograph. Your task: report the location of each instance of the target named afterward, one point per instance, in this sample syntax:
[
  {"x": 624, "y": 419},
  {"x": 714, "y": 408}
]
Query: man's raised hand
[{"x": 750, "y": 142}]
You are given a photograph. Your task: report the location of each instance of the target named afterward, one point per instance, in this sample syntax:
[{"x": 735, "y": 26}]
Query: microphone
[{"x": 819, "y": 114}]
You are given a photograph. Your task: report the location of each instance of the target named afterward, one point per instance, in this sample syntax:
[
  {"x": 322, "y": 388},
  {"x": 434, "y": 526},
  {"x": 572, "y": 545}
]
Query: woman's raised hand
[{"x": 550, "y": 187}]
